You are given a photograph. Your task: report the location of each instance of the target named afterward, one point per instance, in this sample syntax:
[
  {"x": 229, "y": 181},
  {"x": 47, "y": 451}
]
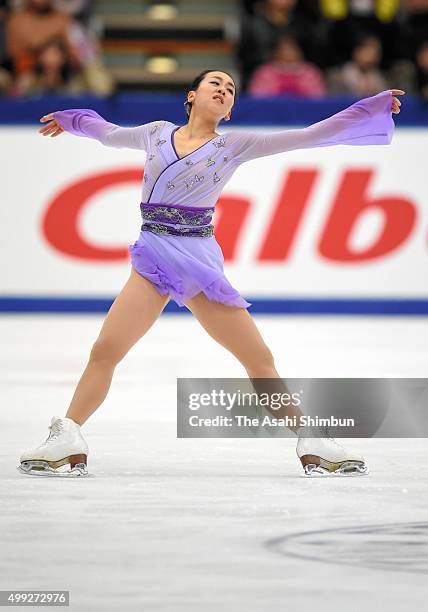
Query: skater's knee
[{"x": 106, "y": 351}]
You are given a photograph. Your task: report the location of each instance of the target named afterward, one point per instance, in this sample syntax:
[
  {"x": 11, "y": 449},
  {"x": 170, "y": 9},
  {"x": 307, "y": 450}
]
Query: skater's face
[{"x": 214, "y": 96}]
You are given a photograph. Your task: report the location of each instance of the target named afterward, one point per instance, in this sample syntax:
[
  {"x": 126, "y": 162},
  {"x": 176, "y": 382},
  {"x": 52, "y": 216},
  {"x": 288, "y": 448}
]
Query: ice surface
[{"x": 171, "y": 524}]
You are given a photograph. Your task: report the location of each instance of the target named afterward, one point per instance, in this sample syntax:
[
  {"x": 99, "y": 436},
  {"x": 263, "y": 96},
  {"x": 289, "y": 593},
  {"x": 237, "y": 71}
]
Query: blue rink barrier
[
  {"x": 294, "y": 306},
  {"x": 138, "y": 108}
]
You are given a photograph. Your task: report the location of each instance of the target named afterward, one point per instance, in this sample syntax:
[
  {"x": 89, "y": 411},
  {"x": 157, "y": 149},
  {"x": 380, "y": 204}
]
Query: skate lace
[
  {"x": 55, "y": 431},
  {"x": 328, "y": 435}
]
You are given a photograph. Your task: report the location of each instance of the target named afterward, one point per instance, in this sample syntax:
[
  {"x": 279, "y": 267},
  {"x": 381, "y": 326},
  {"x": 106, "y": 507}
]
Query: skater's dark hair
[{"x": 195, "y": 84}]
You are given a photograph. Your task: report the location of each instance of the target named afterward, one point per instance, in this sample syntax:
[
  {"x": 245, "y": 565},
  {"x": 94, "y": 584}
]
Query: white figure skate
[
  {"x": 324, "y": 456},
  {"x": 64, "y": 453}
]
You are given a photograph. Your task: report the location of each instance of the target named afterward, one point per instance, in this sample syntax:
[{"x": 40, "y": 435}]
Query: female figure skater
[{"x": 177, "y": 256}]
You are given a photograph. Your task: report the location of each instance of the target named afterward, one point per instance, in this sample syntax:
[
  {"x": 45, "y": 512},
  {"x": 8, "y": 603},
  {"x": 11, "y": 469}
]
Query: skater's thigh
[
  {"x": 233, "y": 328},
  {"x": 133, "y": 312}
]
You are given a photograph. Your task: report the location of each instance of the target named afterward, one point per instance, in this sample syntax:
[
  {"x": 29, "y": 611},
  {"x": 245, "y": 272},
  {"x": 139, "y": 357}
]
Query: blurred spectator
[
  {"x": 86, "y": 42},
  {"x": 422, "y": 70},
  {"x": 260, "y": 33},
  {"x": 314, "y": 37},
  {"x": 361, "y": 76},
  {"x": 97, "y": 78},
  {"x": 414, "y": 27},
  {"x": 5, "y": 64},
  {"x": 404, "y": 73},
  {"x": 287, "y": 73},
  {"x": 53, "y": 73},
  {"x": 32, "y": 27},
  {"x": 352, "y": 19},
  {"x": 80, "y": 10},
  {"x": 38, "y": 23},
  {"x": 250, "y": 6}
]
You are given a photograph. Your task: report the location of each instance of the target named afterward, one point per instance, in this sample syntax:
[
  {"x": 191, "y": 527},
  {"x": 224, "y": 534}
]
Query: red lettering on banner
[
  {"x": 60, "y": 226},
  {"x": 350, "y": 202},
  {"x": 287, "y": 215},
  {"x": 230, "y": 215},
  {"x": 60, "y": 222}
]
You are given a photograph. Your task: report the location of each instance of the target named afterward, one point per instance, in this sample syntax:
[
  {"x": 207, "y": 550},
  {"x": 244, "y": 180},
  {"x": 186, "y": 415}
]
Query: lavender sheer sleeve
[
  {"x": 87, "y": 122},
  {"x": 367, "y": 122}
]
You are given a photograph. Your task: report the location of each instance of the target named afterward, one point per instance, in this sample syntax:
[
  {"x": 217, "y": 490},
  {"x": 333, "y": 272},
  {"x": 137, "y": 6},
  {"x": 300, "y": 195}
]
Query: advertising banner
[{"x": 337, "y": 223}]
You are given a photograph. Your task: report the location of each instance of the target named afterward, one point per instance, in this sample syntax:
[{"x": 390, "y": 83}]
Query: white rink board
[{"x": 39, "y": 168}]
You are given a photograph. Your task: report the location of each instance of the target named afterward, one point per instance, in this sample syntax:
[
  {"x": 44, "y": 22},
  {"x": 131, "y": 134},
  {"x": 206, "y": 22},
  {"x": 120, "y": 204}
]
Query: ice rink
[{"x": 167, "y": 524}]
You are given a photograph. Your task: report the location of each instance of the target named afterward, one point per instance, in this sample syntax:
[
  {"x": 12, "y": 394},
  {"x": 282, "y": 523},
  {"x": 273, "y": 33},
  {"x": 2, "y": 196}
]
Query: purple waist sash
[{"x": 176, "y": 220}]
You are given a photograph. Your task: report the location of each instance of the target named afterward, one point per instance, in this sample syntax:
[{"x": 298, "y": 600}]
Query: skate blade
[
  {"x": 42, "y": 468},
  {"x": 348, "y": 469}
]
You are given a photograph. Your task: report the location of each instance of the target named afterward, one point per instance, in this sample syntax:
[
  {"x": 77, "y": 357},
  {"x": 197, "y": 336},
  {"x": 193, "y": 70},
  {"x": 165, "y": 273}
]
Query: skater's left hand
[
  {"x": 52, "y": 128},
  {"x": 395, "y": 101}
]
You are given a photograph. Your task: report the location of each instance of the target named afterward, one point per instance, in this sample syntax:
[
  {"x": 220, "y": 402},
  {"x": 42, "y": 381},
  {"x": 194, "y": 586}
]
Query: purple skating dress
[{"x": 176, "y": 249}]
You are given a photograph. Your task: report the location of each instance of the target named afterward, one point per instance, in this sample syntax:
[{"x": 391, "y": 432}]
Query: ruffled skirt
[{"x": 183, "y": 267}]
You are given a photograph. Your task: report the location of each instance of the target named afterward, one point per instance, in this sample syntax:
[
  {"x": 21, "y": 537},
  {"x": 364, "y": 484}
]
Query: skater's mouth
[{"x": 218, "y": 97}]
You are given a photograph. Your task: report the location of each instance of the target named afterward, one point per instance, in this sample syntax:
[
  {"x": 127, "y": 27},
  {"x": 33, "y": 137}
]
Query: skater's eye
[{"x": 216, "y": 83}]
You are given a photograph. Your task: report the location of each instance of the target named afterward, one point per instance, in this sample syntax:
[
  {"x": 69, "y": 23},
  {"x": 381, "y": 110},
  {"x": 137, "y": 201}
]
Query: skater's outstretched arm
[
  {"x": 87, "y": 122},
  {"x": 366, "y": 122}
]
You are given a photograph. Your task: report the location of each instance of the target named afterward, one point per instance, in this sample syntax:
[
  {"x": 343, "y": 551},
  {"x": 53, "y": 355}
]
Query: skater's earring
[{"x": 188, "y": 106}]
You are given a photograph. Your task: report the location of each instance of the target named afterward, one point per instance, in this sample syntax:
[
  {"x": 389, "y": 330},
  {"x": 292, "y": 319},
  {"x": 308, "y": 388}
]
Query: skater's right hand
[
  {"x": 52, "y": 128},
  {"x": 395, "y": 101}
]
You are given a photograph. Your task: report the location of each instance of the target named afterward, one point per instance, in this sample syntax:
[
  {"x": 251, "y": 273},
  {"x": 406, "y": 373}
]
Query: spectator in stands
[
  {"x": 38, "y": 23},
  {"x": 361, "y": 76},
  {"x": 410, "y": 65},
  {"x": 422, "y": 70},
  {"x": 352, "y": 19},
  {"x": 314, "y": 33},
  {"x": 414, "y": 27},
  {"x": 287, "y": 73},
  {"x": 97, "y": 78},
  {"x": 82, "y": 33},
  {"x": 53, "y": 73},
  {"x": 5, "y": 64},
  {"x": 260, "y": 33},
  {"x": 79, "y": 10},
  {"x": 31, "y": 28},
  {"x": 250, "y": 6}
]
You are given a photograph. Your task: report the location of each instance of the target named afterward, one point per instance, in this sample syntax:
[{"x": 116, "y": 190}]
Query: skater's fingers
[
  {"x": 395, "y": 108},
  {"x": 46, "y": 117},
  {"x": 398, "y": 92},
  {"x": 47, "y": 129},
  {"x": 58, "y": 131}
]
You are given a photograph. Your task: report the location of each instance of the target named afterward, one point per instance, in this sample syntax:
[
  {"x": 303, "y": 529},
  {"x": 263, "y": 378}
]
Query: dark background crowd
[
  {"x": 319, "y": 47},
  {"x": 49, "y": 46},
  {"x": 307, "y": 48}
]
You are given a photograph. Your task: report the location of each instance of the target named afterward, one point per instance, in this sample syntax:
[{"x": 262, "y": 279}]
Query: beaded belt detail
[{"x": 176, "y": 220}]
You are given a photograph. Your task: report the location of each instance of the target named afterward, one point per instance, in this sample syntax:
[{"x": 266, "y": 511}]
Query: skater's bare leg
[
  {"x": 131, "y": 315},
  {"x": 236, "y": 331}
]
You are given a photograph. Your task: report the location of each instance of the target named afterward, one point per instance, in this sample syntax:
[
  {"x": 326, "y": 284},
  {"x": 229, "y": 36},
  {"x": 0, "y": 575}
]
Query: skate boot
[
  {"x": 323, "y": 456},
  {"x": 64, "y": 453}
]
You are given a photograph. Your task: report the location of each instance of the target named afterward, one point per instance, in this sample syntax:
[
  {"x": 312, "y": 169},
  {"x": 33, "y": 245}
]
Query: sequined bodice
[{"x": 196, "y": 179}]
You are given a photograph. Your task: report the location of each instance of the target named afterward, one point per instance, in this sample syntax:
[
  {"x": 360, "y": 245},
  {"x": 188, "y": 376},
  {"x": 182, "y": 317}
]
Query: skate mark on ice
[{"x": 398, "y": 547}]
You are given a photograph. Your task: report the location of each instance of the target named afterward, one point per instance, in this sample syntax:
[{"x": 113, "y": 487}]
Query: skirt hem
[{"x": 217, "y": 290}]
